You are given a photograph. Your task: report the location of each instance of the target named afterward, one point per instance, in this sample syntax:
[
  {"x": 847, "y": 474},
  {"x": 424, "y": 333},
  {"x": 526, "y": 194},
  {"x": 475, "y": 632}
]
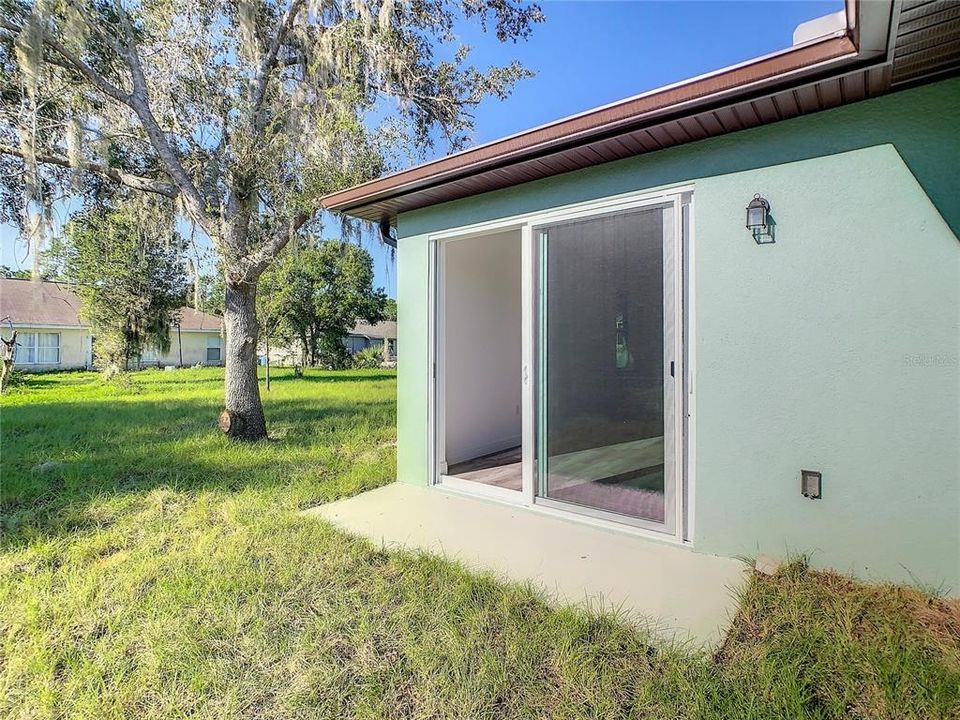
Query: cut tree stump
[{"x": 230, "y": 423}]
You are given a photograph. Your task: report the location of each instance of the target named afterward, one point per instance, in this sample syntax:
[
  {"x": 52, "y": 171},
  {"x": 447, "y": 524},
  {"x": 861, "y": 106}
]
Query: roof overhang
[{"x": 859, "y": 61}]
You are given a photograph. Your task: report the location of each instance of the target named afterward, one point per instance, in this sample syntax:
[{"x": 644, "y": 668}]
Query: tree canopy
[
  {"x": 8, "y": 272},
  {"x": 390, "y": 309},
  {"x": 127, "y": 266},
  {"x": 243, "y": 113},
  {"x": 316, "y": 294}
]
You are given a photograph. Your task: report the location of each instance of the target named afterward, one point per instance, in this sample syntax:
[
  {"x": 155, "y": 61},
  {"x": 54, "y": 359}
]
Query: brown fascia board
[{"x": 642, "y": 110}]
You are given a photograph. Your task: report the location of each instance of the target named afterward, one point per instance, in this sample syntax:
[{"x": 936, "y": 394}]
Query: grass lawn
[{"x": 153, "y": 569}]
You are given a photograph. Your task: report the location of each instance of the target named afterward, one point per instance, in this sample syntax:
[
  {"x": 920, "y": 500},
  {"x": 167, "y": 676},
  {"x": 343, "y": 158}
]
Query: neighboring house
[
  {"x": 382, "y": 335},
  {"x": 196, "y": 340},
  {"x": 590, "y": 331},
  {"x": 51, "y": 335}
]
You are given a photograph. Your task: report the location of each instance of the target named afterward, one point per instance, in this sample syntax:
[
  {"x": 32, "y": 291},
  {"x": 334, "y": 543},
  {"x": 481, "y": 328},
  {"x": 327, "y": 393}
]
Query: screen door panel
[{"x": 606, "y": 343}]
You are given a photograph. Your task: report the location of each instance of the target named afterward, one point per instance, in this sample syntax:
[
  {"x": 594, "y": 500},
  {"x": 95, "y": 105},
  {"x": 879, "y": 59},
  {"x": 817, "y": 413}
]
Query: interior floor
[
  {"x": 501, "y": 469},
  {"x": 626, "y": 478}
]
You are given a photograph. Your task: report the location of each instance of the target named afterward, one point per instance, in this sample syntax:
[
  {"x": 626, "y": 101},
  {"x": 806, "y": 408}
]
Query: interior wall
[
  {"x": 481, "y": 345},
  {"x": 605, "y": 277}
]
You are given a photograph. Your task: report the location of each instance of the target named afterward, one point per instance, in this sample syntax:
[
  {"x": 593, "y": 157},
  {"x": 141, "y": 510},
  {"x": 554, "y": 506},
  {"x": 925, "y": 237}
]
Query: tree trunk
[
  {"x": 9, "y": 349},
  {"x": 242, "y": 390},
  {"x": 267, "y": 366}
]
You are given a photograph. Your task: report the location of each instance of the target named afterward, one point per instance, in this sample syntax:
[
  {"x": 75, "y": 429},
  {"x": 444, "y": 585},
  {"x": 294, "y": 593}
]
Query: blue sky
[{"x": 588, "y": 53}]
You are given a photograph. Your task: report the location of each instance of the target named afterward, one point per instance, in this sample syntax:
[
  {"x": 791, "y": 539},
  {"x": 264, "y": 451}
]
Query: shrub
[{"x": 368, "y": 358}]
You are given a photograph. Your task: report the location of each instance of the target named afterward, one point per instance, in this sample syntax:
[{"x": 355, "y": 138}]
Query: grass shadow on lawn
[
  {"x": 33, "y": 381},
  {"x": 61, "y": 456},
  {"x": 159, "y": 570},
  {"x": 331, "y": 376}
]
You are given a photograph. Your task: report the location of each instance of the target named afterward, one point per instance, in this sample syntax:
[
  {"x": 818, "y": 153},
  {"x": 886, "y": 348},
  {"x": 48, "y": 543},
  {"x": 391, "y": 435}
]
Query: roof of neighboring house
[
  {"x": 191, "y": 319},
  {"x": 53, "y": 304},
  {"x": 884, "y": 46},
  {"x": 28, "y": 302},
  {"x": 386, "y": 329}
]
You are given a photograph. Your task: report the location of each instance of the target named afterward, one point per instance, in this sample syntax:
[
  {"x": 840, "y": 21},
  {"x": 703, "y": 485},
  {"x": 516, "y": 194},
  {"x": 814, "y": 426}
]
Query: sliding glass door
[{"x": 608, "y": 366}]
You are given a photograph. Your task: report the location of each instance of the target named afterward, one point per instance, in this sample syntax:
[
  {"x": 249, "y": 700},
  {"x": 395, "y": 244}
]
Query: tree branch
[
  {"x": 254, "y": 264},
  {"x": 139, "y": 102},
  {"x": 95, "y": 78},
  {"x": 236, "y": 205},
  {"x": 121, "y": 177},
  {"x": 270, "y": 59},
  {"x": 96, "y": 26}
]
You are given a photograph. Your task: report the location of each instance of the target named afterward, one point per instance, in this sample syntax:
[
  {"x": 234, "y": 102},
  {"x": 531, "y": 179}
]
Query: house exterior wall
[
  {"x": 289, "y": 355},
  {"x": 74, "y": 348},
  {"x": 834, "y": 349},
  {"x": 283, "y": 356},
  {"x": 194, "y": 349},
  {"x": 358, "y": 343}
]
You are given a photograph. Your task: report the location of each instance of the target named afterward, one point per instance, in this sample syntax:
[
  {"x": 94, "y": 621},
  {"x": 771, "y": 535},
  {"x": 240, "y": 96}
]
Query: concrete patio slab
[{"x": 672, "y": 590}]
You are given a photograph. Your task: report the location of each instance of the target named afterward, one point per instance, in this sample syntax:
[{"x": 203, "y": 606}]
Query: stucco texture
[
  {"x": 834, "y": 349},
  {"x": 194, "y": 348}
]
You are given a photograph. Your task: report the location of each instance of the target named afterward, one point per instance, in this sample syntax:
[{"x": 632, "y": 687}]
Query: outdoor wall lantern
[{"x": 759, "y": 221}]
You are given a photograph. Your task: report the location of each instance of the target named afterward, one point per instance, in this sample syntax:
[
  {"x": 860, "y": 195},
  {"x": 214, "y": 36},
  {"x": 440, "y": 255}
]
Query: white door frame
[
  {"x": 437, "y": 376},
  {"x": 678, "y": 196}
]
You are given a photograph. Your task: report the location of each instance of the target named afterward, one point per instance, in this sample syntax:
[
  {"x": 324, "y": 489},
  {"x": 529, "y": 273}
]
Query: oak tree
[{"x": 244, "y": 113}]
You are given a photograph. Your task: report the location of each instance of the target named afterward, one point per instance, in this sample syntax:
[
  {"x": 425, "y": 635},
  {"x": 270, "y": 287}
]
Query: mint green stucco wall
[{"x": 834, "y": 349}]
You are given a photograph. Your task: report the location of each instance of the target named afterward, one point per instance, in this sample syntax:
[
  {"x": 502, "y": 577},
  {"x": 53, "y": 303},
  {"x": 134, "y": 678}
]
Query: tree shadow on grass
[
  {"x": 334, "y": 376},
  {"x": 150, "y": 375},
  {"x": 61, "y": 457},
  {"x": 32, "y": 381}
]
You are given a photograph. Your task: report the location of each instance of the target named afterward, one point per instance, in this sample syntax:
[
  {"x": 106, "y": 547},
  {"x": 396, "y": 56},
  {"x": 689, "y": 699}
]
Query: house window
[
  {"x": 38, "y": 348},
  {"x": 214, "y": 344},
  {"x": 355, "y": 344}
]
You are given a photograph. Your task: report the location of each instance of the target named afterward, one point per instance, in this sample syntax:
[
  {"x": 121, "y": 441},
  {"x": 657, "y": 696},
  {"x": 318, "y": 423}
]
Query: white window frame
[
  {"x": 679, "y": 195},
  {"x": 218, "y": 347},
  {"x": 24, "y": 348}
]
